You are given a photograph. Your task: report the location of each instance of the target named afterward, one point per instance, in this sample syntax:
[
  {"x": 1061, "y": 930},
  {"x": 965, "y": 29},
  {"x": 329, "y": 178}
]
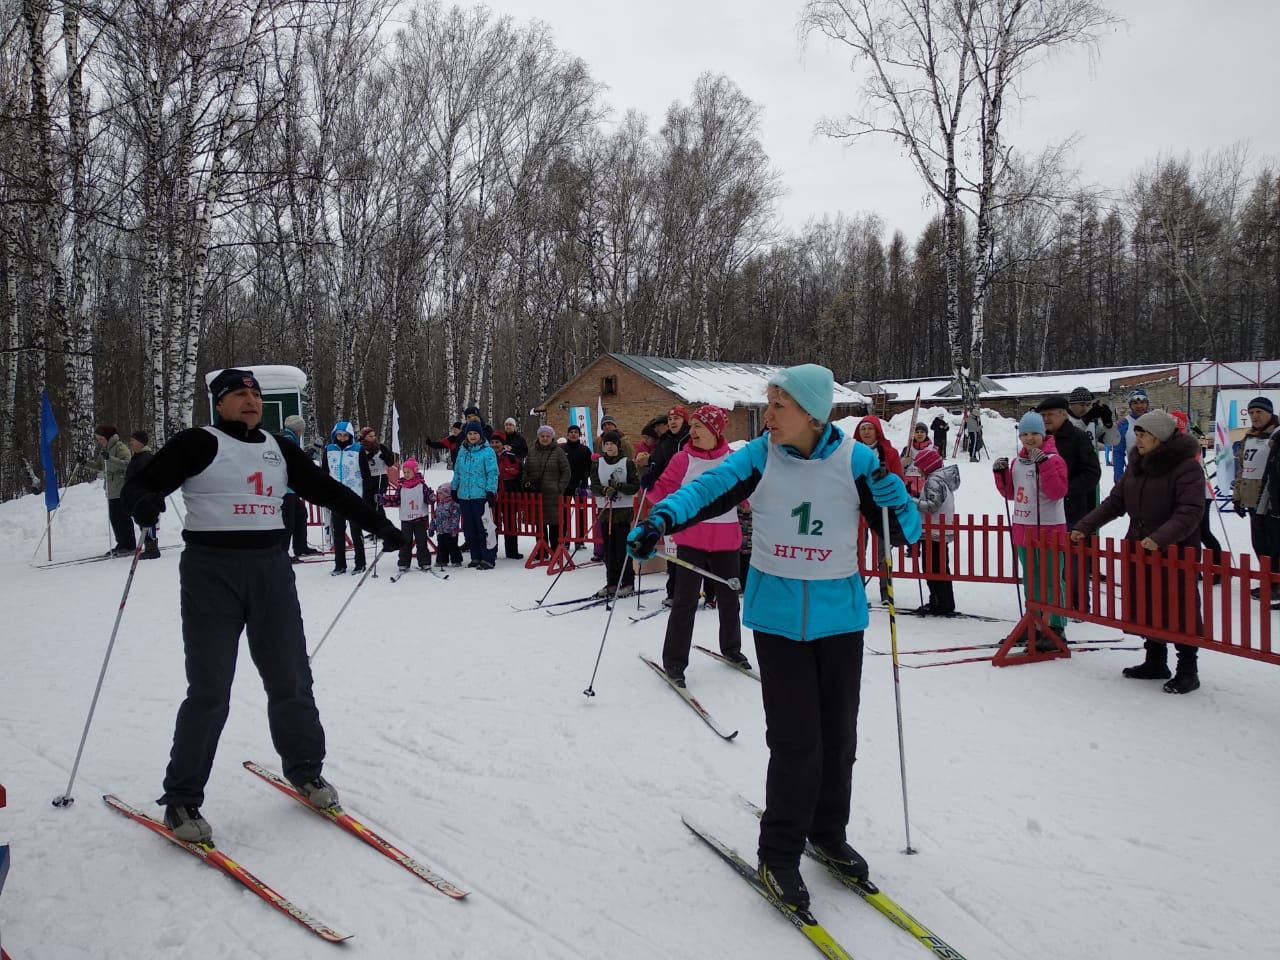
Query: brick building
[{"x": 634, "y": 389}]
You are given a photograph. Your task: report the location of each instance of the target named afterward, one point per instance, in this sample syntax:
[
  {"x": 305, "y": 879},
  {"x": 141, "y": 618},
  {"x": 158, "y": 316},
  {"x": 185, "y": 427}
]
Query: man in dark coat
[
  {"x": 940, "y": 428},
  {"x": 141, "y": 455},
  {"x": 579, "y": 460},
  {"x": 1083, "y": 472},
  {"x": 669, "y": 444}
]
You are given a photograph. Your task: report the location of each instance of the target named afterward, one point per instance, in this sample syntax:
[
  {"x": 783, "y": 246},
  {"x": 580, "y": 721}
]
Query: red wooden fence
[{"x": 1165, "y": 595}]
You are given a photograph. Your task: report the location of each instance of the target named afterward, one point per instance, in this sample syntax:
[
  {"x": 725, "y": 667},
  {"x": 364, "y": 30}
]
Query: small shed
[
  {"x": 633, "y": 389},
  {"x": 282, "y": 388}
]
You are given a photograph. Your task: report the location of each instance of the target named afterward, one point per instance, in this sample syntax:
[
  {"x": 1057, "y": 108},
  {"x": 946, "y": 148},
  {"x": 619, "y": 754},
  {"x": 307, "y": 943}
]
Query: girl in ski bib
[
  {"x": 712, "y": 544},
  {"x": 415, "y": 509},
  {"x": 1036, "y": 483},
  {"x": 614, "y": 482},
  {"x": 807, "y": 482}
]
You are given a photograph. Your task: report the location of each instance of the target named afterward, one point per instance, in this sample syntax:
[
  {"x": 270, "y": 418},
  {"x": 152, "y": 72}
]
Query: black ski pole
[
  {"x": 66, "y": 799},
  {"x": 354, "y": 590},
  {"x": 1017, "y": 581},
  {"x": 613, "y": 602},
  {"x": 553, "y": 585},
  {"x": 897, "y": 686}
]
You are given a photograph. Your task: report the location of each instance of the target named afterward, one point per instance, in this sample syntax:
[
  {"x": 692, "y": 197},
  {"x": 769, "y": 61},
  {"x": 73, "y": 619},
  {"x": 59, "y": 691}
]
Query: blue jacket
[
  {"x": 475, "y": 475},
  {"x": 796, "y": 609},
  {"x": 343, "y": 463}
]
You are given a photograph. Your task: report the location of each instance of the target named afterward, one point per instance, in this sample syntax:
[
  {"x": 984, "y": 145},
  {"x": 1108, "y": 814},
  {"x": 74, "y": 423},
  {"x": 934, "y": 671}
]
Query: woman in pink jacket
[
  {"x": 1036, "y": 482},
  {"x": 712, "y": 544}
]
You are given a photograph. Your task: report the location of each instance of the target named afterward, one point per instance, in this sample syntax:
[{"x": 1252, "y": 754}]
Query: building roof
[
  {"x": 272, "y": 376},
  {"x": 712, "y": 381},
  {"x": 1096, "y": 380}
]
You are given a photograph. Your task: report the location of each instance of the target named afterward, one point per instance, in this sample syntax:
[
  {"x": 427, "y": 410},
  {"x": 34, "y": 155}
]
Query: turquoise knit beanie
[
  {"x": 811, "y": 385},
  {"x": 1031, "y": 423}
]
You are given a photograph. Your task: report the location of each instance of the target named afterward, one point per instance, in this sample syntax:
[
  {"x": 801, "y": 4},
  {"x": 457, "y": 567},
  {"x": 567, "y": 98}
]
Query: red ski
[
  {"x": 220, "y": 861},
  {"x": 355, "y": 827}
]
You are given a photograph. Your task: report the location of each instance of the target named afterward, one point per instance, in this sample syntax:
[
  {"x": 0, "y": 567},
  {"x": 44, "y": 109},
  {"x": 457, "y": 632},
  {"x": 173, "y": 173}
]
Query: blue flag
[{"x": 48, "y": 430}]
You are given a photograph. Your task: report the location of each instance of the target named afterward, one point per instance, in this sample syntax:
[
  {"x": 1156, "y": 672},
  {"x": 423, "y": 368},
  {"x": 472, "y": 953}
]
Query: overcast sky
[{"x": 1180, "y": 76}]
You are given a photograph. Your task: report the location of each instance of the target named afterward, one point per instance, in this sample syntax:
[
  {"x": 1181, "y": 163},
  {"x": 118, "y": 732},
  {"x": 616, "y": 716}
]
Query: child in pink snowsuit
[{"x": 1036, "y": 483}]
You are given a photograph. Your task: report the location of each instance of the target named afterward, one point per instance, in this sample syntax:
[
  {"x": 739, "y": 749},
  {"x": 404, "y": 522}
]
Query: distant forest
[{"x": 437, "y": 215}]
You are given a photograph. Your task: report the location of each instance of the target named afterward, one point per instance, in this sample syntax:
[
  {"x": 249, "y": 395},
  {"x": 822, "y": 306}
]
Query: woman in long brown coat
[
  {"x": 547, "y": 471},
  {"x": 1162, "y": 491}
]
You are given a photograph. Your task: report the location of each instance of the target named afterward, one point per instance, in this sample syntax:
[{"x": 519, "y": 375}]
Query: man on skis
[{"x": 234, "y": 577}]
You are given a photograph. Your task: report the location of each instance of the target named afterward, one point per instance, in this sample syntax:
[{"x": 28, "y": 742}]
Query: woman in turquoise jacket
[
  {"x": 808, "y": 484},
  {"x": 475, "y": 487}
]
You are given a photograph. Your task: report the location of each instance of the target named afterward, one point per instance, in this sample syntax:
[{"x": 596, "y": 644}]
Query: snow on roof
[
  {"x": 724, "y": 384},
  {"x": 272, "y": 376},
  {"x": 1096, "y": 381}
]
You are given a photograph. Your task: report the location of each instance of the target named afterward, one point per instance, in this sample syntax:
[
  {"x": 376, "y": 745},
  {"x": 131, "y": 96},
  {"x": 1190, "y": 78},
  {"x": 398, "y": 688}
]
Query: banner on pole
[
  {"x": 48, "y": 431},
  {"x": 581, "y": 418}
]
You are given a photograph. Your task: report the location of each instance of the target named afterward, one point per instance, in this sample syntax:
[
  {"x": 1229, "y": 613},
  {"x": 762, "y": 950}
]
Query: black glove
[
  {"x": 491, "y": 499},
  {"x": 1241, "y": 509},
  {"x": 642, "y": 541},
  {"x": 1001, "y": 465},
  {"x": 610, "y": 492},
  {"x": 647, "y": 481},
  {"x": 147, "y": 509},
  {"x": 390, "y": 535},
  {"x": 80, "y": 461},
  {"x": 1108, "y": 418}
]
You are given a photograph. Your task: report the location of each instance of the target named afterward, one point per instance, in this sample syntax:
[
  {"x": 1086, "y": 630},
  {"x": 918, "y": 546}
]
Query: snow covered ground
[{"x": 1060, "y": 811}]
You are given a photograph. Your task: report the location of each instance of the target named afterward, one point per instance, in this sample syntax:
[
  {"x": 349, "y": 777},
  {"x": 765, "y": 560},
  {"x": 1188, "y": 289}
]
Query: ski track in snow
[{"x": 1059, "y": 810}]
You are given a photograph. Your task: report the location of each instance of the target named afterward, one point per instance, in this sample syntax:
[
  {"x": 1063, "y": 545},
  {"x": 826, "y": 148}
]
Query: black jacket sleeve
[
  {"x": 313, "y": 484},
  {"x": 1083, "y": 471}
]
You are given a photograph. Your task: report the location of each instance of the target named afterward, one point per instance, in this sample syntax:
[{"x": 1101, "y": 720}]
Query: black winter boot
[
  {"x": 1155, "y": 667},
  {"x": 1187, "y": 677},
  {"x": 841, "y": 858},
  {"x": 787, "y": 885}
]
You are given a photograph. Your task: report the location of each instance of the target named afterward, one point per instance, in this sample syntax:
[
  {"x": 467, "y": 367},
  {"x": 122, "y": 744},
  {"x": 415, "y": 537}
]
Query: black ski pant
[
  {"x": 447, "y": 550},
  {"x": 616, "y": 562},
  {"x": 942, "y": 597},
  {"x": 295, "y": 522},
  {"x": 415, "y": 532},
  {"x": 684, "y": 607},
  {"x": 224, "y": 593},
  {"x": 1079, "y": 572},
  {"x": 811, "y": 691},
  {"x": 1206, "y": 532},
  {"x": 121, "y": 525},
  {"x": 473, "y": 528},
  {"x": 339, "y": 526}
]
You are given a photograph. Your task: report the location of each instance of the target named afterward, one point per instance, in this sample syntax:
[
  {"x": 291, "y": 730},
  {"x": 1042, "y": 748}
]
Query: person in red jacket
[
  {"x": 871, "y": 432},
  {"x": 712, "y": 544},
  {"x": 1036, "y": 482}
]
